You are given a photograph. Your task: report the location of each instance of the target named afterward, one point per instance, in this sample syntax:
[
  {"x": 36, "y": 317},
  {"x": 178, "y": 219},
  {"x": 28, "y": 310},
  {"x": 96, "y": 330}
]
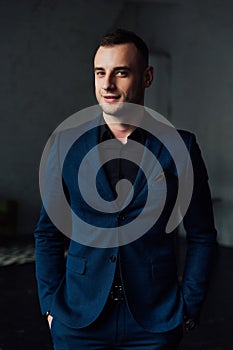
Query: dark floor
[{"x": 22, "y": 326}]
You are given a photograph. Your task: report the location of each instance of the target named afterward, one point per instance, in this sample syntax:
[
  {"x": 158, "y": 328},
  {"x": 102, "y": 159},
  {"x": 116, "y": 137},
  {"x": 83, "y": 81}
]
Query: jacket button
[
  {"x": 121, "y": 217},
  {"x": 112, "y": 258}
]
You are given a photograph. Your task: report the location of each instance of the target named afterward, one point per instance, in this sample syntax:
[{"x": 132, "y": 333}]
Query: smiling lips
[{"x": 110, "y": 98}]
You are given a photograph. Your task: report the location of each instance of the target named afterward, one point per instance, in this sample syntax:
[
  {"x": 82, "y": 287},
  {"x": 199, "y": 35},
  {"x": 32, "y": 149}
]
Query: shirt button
[{"x": 112, "y": 258}]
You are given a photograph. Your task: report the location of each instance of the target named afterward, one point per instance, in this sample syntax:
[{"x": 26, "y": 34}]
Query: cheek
[
  {"x": 131, "y": 85},
  {"x": 125, "y": 87},
  {"x": 97, "y": 88},
  {"x": 96, "y": 85}
]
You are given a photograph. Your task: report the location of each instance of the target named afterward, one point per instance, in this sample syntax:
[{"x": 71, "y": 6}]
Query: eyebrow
[{"x": 115, "y": 68}]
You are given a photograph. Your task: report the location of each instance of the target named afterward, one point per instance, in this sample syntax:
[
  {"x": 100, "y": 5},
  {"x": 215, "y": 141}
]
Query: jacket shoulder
[{"x": 187, "y": 136}]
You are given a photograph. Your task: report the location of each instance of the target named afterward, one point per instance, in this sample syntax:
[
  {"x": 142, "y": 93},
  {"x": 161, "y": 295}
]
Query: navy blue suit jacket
[{"x": 75, "y": 287}]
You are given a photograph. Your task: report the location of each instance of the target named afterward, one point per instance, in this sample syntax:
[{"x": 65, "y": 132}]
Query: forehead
[{"x": 117, "y": 55}]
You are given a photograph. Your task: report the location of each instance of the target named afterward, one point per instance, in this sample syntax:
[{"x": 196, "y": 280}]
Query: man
[{"x": 124, "y": 294}]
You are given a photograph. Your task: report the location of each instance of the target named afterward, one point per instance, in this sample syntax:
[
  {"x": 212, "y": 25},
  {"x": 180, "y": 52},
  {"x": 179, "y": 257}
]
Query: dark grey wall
[
  {"x": 46, "y": 75},
  {"x": 198, "y": 37}
]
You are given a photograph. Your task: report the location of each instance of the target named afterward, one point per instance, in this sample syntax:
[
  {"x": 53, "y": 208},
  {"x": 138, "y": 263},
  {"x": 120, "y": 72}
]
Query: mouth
[{"x": 111, "y": 98}]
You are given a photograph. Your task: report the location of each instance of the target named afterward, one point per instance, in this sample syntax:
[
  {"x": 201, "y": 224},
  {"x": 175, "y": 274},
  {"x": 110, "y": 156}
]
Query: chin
[{"x": 114, "y": 109}]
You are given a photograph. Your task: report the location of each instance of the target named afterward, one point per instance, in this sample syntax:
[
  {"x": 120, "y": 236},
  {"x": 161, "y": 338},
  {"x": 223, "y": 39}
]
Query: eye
[
  {"x": 99, "y": 73},
  {"x": 122, "y": 73}
]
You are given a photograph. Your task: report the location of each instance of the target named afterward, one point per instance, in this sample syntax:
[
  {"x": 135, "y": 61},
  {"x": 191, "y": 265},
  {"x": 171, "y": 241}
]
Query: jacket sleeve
[
  {"x": 50, "y": 260},
  {"x": 201, "y": 237},
  {"x": 49, "y": 241}
]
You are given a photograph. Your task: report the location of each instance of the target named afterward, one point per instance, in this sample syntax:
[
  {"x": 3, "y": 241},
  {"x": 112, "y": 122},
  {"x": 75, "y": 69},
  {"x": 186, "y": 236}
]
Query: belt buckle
[{"x": 117, "y": 293}]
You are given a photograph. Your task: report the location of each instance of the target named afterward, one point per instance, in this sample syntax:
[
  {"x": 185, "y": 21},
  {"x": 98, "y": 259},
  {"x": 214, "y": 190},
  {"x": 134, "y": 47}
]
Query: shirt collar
[{"x": 138, "y": 135}]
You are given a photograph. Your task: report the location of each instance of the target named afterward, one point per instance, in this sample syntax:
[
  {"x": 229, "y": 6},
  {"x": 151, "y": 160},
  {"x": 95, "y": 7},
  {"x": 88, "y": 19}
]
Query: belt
[{"x": 117, "y": 293}]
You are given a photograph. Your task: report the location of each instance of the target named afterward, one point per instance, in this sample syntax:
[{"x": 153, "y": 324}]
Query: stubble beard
[
  {"x": 115, "y": 109},
  {"x": 125, "y": 111},
  {"x": 120, "y": 109}
]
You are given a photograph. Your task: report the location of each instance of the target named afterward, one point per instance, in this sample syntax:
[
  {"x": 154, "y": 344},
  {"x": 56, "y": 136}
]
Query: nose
[{"x": 108, "y": 82}]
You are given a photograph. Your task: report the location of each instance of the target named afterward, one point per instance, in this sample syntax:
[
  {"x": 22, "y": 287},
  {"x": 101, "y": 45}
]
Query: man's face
[{"x": 119, "y": 77}]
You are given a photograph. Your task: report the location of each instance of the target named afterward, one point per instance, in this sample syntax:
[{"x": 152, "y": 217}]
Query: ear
[{"x": 148, "y": 76}]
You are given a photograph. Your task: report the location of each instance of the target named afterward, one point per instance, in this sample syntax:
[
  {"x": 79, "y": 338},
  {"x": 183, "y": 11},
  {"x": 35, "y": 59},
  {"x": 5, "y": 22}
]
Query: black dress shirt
[{"x": 118, "y": 167}]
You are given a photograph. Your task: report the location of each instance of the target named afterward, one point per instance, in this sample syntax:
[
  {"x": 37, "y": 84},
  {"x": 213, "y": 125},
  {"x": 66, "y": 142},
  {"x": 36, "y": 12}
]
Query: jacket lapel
[{"x": 148, "y": 167}]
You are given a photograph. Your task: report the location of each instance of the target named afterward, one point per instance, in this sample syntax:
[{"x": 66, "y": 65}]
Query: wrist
[{"x": 47, "y": 314}]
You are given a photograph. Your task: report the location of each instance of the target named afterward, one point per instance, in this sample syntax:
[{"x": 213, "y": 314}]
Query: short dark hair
[{"x": 123, "y": 36}]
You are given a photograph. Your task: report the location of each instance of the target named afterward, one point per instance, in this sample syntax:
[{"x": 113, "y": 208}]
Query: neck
[{"x": 122, "y": 127}]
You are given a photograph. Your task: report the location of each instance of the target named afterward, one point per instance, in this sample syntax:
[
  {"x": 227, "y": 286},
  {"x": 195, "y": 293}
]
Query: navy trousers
[{"x": 115, "y": 328}]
